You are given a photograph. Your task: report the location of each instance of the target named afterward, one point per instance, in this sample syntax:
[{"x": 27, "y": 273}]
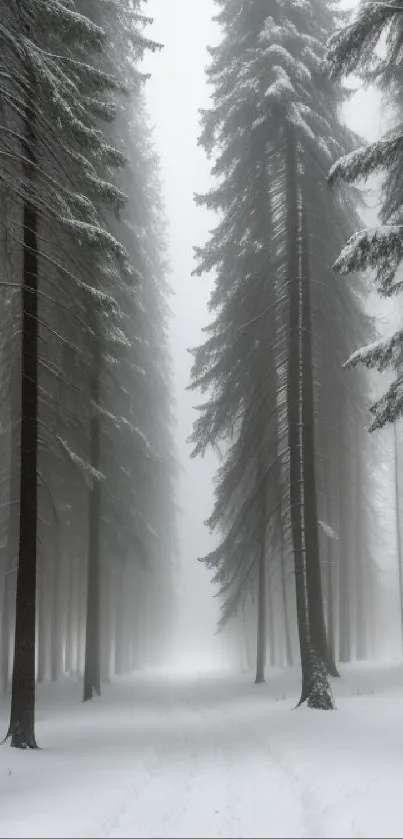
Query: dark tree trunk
[
  {"x": 344, "y": 558},
  {"x": 313, "y": 570},
  {"x": 92, "y": 665},
  {"x": 330, "y": 585},
  {"x": 120, "y": 649},
  {"x": 293, "y": 409},
  {"x": 271, "y": 622},
  {"x": 119, "y": 623},
  {"x": 22, "y": 719},
  {"x": 72, "y": 616},
  {"x": 58, "y": 617},
  {"x": 261, "y": 611},
  {"x": 360, "y": 576},
  {"x": 315, "y": 688},
  {"x": 398, "y": 529},
  {"x": 106, "y": 623},
  {"x": 265, "y": 372},
  {"x": 8, "y": 601},
  {"x": 246, "y": 634},
  {"x": 41, "y": 605},
  {"x": 332, "y": 513},
  {"x": 5, "y": 637},
  {"x": 287, "y": 634},
  {"x": 330, "y": 599}
]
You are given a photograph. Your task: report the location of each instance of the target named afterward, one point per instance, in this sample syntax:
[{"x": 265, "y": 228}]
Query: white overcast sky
[{"x": 176, "y": 91}]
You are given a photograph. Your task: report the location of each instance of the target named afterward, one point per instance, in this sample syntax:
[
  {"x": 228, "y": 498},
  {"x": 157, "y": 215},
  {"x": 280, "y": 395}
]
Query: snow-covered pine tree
[
  {"x": 151, "y": 515},
  {"x": 274, "y": 123},
  {"x": 50, "y": 149},
  {"x": 371, "y": 46},
  {"x": 238, "y": 363},
  {"x": 137, "y": 445},
  {"x": 313, "y": 112}
]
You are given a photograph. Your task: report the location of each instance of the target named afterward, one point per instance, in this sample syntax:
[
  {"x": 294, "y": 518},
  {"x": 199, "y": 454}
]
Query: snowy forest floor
[{"x": 167, "y": 755}]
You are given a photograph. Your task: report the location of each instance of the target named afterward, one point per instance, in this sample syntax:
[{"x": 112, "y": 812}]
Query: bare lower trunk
[
  {"x": 287, "y": 634},
  {"x": 246, "y": 634},
  {"x": 41, "y": 621},
  {"x": 315, "y": 689},
  {"x": 332, "y": 517},
  {"x": 313, "y": 570},
  {"x": 119, "y": 625},
  {"x": 22, "y": 718},
  {"x": 58, "y": 618},
  {"x": 9, "y": 589},
  {"x": 360, "y": 576},
  {"x": 92, "y": 666},
  {"x": 344, "y": 574},
  {"x": 5, "y": 638},
  {"x": 261, "y": 616},
  {"x": 72, "y": 619},
  {"x": 398, "y": 529},
  {"x": 271, "y": 622},
  {"x": 106, "y": 625},
  {"x": 293, "y": 410}
]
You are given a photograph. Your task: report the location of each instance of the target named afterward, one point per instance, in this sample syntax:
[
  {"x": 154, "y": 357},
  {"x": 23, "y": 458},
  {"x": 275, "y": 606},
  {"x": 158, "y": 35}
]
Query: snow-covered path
[
  {"x": 210, "y": 755},
  {"x": 213, "y": 778}
]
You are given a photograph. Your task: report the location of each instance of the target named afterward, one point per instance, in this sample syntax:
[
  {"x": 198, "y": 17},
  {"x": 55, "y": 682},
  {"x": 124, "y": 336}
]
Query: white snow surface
[{"x": 210, "y": 755}]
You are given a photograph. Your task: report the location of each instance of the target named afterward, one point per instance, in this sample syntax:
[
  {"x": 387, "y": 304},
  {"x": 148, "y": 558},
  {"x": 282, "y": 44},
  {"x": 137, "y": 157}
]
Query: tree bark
[
  {"x": 8, "y": 598},
  {"x": 22, "y": 719},
  {"x": 245, "y": 629},
  {"x": 42, "y": 623},
  {"x": 345, "y": 546},
  {"x": 106, "y": 616},
  {"x": 398, "y": 528},
  {"x": 5, "y": 637},
  {"x": 271, "y": 619},
  {"x": 287, "y": 634},
  {"x": 313, "y": 568},
  {"x": 330, "y": 518},
  {"x": 315, "y": 689},
  {"x": 92, "y": 666},
  {"x": 73, "y": 617},
  {"x": 261, "y": 606},
  {"x": 59, "y": 615},
  {"x": 293, "y": 409},
  {"x": 360, "y": 576}
]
